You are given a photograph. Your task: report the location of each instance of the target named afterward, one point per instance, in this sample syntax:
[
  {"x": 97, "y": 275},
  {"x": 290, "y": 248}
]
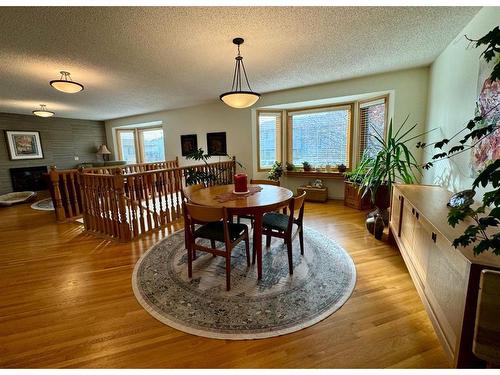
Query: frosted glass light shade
[
  {"x": 69, "y": 87},
  {"x": 42, "y": 112},
  {"x": 240, "y": 99}
]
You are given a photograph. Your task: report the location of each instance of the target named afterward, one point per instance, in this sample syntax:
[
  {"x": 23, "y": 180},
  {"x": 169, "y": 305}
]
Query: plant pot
[
  {"x": 308, "y": 169},
  {"x": 383, "y": 197}
]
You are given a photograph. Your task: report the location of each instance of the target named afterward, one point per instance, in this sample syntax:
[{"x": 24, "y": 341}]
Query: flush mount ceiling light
[
  {"x": 238, "y": 98},
  {"x": 42, "y": 112},
  {"x": 66, "y": 84}
]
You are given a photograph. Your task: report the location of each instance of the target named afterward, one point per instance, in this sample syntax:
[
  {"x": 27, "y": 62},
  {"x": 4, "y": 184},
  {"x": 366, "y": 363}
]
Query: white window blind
[
  {"x": 269, "y": 137},
  {"x": 372, "y": 122}
]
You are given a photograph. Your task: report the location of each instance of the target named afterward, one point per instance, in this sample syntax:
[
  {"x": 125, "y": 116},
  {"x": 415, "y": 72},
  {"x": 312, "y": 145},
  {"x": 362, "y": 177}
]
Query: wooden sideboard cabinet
[{"x": 446, "y": 278}]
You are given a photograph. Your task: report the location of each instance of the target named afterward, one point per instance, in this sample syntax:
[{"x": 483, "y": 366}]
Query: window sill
[{"x": 315, "y": 174}]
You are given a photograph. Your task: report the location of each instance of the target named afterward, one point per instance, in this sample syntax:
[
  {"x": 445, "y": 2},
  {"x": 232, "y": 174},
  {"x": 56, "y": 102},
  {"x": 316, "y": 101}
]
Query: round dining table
[{"x": 270, "y": 198}]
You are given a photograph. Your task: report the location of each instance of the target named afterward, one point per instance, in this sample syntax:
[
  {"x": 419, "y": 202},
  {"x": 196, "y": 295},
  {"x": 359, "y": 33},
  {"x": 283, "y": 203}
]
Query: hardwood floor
[{"x": 66, "y": 301}]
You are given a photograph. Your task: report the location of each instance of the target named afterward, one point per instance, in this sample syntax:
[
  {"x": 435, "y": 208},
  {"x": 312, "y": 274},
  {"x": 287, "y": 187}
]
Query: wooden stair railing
[
  {"x": 67, "y": 195},
  {"x": 125, "y": 206}
]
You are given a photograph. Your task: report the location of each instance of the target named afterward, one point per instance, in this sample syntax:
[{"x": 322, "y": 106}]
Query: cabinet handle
[
  {"x": 434, "y": 237},
  {"x": 413, "y": 211},
  {"x": 418, "y": 215}
]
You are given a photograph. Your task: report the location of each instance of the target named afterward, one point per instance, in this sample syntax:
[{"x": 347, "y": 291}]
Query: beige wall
[
  {"x": 452, "y": 97},
  {"x": 408, "y": 97}
]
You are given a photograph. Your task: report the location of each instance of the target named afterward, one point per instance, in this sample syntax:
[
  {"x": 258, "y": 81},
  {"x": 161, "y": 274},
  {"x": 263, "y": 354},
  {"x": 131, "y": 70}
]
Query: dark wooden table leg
[{"x": 257, "y": 242}]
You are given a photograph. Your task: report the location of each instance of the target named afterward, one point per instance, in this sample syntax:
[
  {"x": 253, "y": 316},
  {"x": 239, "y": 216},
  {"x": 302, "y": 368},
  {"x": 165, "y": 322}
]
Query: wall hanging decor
[
  {"x": 189, "y": 143},
  {"x": 216, "y": 144},
  {"x": 24, "y": 145}
]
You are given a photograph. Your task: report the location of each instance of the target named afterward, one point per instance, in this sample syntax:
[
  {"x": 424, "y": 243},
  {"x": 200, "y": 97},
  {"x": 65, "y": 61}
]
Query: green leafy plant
[
  {"x": 206, "y": 177},
  {"x": 394, "y": 162},
  {"x": 357, "y": 174},
  {"x": 276, "y": 171},
  {"x": 487, "y": 216},
  {"x": 306, "y": 166},
  {"x": 289, "y": 166}
]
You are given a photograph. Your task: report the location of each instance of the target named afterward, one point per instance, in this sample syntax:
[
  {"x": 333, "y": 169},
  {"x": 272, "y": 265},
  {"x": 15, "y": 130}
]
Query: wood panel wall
[{"x": 62, "y": 140}]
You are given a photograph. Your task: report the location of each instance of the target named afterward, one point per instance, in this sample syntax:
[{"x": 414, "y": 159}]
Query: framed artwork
[
  {"x": 486, "y": 150},
  {"x": 216, "y": 144},
  {"x": 189, "y": 143},
  {"x": 24, "y": 145}
]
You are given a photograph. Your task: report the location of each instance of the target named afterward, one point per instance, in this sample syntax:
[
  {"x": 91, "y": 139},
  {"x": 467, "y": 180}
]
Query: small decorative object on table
[
  {"x": 462, "y": 198},
  {"x": 240, "y": 183}
]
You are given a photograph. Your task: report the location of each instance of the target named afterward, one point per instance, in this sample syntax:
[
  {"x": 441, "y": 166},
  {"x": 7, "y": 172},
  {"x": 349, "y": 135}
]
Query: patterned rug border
[{"x": 239, "y": 336}]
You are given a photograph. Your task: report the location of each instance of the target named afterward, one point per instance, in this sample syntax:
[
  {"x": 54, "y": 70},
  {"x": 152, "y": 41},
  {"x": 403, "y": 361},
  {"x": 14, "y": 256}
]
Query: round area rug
[
  {"x": 43, "y": 205},
  {"x": 322, "y": 282}
]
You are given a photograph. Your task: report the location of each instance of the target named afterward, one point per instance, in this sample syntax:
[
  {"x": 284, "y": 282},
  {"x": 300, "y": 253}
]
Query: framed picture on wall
[
  {"x": 189, "y": 143},
  {"x": 216, "y": 144},
  {"x": 24, "y": 145}
]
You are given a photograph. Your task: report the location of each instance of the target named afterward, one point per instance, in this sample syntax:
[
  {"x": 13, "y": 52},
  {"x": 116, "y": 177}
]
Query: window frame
[
  {"x": 279, "y": 137},
  {"x": 138, "y": 141},
  {"x": 360, "y": 103},
  {"x": 350, "y": 128}
]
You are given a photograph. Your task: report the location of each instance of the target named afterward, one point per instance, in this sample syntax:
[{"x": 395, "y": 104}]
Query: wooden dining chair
[
  {"x": 275, "y": 224},
  {"x": 215, "y": 226},
  {"x": 257, "y": 182}
]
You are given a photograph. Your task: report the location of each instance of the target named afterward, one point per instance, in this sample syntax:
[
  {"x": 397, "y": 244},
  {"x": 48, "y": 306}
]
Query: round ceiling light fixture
[
  {"x": 66, "y": 84},
  {"x": 238, "y": 98},
  {"x": 43, "y": 112}
]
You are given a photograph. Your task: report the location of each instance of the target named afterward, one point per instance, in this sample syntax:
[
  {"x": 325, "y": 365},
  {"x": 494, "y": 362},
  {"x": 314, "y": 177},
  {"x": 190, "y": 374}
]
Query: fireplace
[{"x": 28, "y": 178}]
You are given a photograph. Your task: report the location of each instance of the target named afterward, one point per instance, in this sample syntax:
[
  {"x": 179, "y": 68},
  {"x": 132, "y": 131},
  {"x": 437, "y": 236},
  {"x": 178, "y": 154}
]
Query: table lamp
[{"x": 103, "y": 150}]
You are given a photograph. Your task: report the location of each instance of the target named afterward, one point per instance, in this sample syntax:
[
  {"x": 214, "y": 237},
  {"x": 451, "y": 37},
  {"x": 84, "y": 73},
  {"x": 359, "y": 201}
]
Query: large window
[
  {"x": 141, "y": 145},
  {"x": 372, "y": 123},
  {"x": 320, "y": 136},
  {"x": 269, "y": 138}
]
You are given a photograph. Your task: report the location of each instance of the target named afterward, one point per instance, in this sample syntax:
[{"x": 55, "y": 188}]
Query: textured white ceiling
[{"x": 145, "y": 59}]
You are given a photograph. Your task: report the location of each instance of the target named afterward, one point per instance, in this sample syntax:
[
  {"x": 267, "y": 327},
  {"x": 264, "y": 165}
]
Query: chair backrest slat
[
  {"x": 265, "y": 182},
  {"x": 204, "y": 214}
]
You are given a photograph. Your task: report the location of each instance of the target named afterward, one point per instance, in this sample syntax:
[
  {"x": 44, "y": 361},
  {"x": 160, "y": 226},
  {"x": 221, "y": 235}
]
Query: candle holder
[{"x": 240, "y": 184}]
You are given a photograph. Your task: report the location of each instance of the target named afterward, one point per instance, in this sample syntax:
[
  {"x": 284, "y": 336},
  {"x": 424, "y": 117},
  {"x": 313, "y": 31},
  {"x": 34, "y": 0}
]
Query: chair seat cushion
[
  {"x": 215, "y": 231},
  {"x": 276, "y": 221}
]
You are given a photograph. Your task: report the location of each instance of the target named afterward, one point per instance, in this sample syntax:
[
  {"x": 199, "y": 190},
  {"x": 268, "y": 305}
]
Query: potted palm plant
[{"x": 393, "y": 163}]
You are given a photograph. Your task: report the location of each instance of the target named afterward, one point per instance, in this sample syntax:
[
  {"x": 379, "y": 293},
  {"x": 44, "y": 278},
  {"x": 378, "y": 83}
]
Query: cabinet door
[
  {"x": 407, "y": 224},
  {"x": 446, "y": 287},
  {"x": 422, "y": 246},
  {"x": 396, "y": 201}
]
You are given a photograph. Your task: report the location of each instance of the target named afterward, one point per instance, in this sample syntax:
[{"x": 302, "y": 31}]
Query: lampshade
[
  {"x": 43, "y": 112},
  {"x": 66, "y": 84},
  {"x": 238, "y": 98},
  {"x": 103, "y": 150}
]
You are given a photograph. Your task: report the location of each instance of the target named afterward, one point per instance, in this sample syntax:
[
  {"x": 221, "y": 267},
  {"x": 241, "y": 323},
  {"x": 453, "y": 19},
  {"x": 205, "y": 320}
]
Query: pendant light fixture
[
  {"x": 238, "y": 98},
  {"x": 66, "y": 84},
  {"x": 43, "y": 112}
]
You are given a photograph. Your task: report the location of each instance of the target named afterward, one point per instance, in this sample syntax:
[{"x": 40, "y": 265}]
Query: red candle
[{"x": 240, "y": 183}]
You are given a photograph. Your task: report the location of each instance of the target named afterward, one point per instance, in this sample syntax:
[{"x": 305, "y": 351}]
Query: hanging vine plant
[{"x": 484, "y": 233}]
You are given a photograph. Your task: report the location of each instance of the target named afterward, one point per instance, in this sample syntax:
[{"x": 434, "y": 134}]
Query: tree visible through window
[{"x": 320, "y": 136}]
